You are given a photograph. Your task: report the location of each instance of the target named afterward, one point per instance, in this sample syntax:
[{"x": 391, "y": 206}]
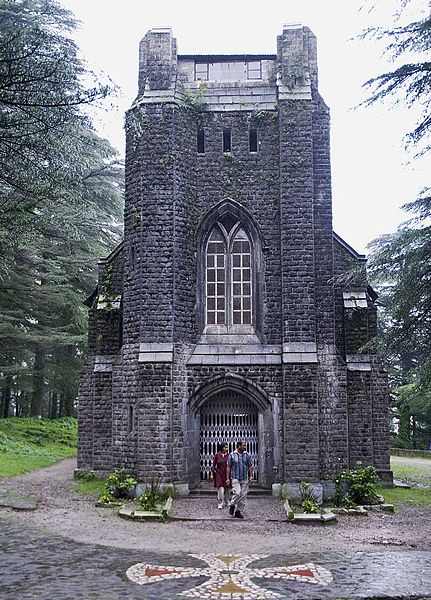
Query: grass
[
  {"x": 412, "y": 474},
  {"x": 28, "y": 443},
  {"x": 416, "y": 496},
  {"x": 94, "y": 487}
]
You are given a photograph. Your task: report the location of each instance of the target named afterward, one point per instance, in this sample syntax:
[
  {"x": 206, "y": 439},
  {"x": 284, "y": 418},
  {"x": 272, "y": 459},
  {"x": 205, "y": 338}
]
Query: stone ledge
[
  {"x": 253, "y": 354},
  {"x": 155, "y": 357},
  {"x": 300, "y": 357},
  {"x": 237, "y": 349},
  {"x": 296, "y": 93},
  {"x": 136, "y": 514},
  {"x": 234, "y": 359},
  {"x": 238, "y": 101},
  {"x": 170, "y": 96},
  {"x": 139, "y": 515},
  {"x": 156, "y": 352},
  {"x": 249, "y": 106},
  {"x": 322, "y": 518},
  {"x": 363, "y": 510},
  {"x": 358, "y": 367},
  {"x": 358, "y": 362},
  {"x": 103, "y": 363},
  {"x": 300, "y": 352},
  {"x": 384, "y": 507}
]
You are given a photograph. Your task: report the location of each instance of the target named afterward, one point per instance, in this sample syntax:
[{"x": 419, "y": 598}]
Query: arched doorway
[
  {"x": 227, "y": 408},
  {"x": 227, "y": 418}
]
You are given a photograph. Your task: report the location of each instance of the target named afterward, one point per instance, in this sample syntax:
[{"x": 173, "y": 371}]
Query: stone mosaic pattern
[
  {"x": 230, "y": 576},
  {"x": 35, "y": 565}
]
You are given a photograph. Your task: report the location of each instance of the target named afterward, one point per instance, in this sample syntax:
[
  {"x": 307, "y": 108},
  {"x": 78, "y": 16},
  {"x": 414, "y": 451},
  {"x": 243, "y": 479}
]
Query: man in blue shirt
[{"x": 240, "y": 473}]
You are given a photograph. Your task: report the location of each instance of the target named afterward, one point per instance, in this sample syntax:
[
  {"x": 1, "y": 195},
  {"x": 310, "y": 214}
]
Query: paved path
[{"x": 35, "y": 564}]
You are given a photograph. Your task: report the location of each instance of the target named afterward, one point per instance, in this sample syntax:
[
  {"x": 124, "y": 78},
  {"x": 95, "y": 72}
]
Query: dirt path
[{"x": 64, "y": 511}]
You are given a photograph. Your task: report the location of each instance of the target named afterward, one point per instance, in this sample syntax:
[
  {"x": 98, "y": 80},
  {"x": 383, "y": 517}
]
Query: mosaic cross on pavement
[{"x": 229, "y": 576}]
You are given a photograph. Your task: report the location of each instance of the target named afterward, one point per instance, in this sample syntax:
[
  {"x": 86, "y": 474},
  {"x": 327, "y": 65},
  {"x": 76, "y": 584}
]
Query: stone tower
[{"x": 225, "y": 313}]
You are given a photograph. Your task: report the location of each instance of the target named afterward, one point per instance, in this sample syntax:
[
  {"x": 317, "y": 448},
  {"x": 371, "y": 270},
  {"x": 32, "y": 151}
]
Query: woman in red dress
[{"x": 219, "y": 469}]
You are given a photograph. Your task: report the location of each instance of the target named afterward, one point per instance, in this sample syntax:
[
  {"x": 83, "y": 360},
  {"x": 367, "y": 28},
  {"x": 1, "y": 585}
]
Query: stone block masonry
[{"x": 224, "y": 314}]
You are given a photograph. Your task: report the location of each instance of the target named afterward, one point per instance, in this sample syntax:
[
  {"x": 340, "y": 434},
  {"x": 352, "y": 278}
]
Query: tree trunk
[
  {"x": 414, "y": 433},
  {"x": 68, "y": 405},
  {"x": 62, "y": 407},
  {"x": 68, "y": 394},
  {"x": 6, "y": 397},
  {"x": 22, "y": 404},
  {"x": 38, "y": 382},
  {"x": 53, "y": 412}
]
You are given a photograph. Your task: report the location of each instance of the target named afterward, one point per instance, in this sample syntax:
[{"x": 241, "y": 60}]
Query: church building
[{"x": 231, "y": 310}]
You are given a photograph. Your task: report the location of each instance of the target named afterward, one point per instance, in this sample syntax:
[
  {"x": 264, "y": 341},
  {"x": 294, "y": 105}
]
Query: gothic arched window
[{"x": 228, "y": 277}]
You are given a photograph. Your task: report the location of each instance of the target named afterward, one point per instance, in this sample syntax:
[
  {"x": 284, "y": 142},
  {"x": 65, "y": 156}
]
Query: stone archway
[{"x": 226, "y": 408}]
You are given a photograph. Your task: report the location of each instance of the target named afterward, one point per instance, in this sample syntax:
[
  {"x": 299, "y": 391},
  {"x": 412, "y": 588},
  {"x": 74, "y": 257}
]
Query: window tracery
[{"x": 228, "y": 276}]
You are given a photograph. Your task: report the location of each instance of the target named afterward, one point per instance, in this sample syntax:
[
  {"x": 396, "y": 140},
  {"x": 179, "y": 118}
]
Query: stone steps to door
[{"x": 209, "y": 490}]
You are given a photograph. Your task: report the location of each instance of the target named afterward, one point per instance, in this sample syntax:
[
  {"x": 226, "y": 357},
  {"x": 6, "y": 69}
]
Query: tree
[
  {"x": 54, "y": 269},
  {"x": 60, "y": 203},
  {"x": 400, "y": 263},
  {"x": 410, "y": 82},
  {"x": 400, "y": 267},
  {"x": 42, "y": 92}
]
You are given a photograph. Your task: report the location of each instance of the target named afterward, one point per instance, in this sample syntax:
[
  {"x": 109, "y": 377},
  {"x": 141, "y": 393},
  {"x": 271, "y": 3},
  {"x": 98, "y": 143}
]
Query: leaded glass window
[
  {"x": 228, "y": 278},
  {"x": 241, "y": 279},
  {"x": 216, "y": 279}
]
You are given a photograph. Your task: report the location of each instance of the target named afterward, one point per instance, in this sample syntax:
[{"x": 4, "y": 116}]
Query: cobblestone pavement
[{"x": 35, "y": 564}]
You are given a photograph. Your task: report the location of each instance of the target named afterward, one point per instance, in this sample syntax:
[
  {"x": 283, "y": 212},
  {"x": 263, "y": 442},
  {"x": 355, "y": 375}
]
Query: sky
[{"x": 372, "y": 175}]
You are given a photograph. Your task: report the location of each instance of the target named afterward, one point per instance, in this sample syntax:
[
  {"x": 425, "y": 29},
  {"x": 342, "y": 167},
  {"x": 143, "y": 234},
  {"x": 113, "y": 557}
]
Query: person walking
[
  {"x": 240, "y": 476},
  {"x": 219, "y": 469}
]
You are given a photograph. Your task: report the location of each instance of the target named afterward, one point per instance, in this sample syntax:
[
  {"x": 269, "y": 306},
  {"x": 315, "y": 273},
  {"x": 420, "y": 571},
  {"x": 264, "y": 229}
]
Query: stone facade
[{"x": 248, "y": 151}]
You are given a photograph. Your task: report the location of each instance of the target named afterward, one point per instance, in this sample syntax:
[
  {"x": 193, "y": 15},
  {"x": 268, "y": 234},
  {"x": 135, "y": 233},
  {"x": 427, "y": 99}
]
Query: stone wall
[
  {"x": 105, "y": 315},
  {"x": 369, "y": 419}
]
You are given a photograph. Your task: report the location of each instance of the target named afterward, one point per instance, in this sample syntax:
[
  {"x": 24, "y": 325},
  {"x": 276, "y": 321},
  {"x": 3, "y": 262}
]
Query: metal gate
[{"x": 228, "y": 418}]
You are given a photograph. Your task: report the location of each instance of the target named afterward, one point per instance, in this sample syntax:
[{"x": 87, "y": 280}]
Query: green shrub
[
  {"x": 154, "y": 495},
  {"x": 194, "y": 99},
  {"x": 106, "y": 497},
  {"x": 307, "y": 492},
  {"x": 308, "y": 506},
  {"x": 355, "y": 486},
  {"x": 308, "y": 498},
  {"x": 119, "y": 484}
]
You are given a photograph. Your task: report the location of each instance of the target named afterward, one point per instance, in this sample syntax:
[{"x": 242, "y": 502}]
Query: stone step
[{"x": 202, "y": 491}]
